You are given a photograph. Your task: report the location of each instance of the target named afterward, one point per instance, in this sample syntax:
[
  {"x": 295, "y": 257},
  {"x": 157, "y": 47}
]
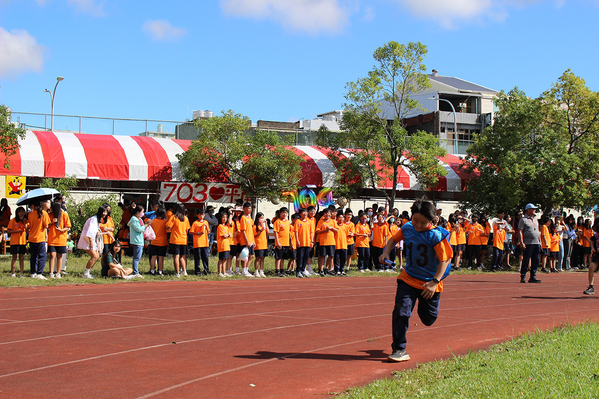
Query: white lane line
[
  {"x": 149, "y": 395},
  {"x": 183, "y": 321},
  {"x": 51, "y": 366}
]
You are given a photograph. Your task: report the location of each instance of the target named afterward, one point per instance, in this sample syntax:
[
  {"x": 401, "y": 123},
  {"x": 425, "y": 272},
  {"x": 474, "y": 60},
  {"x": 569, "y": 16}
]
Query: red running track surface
[{"x": 262, "y": 338}]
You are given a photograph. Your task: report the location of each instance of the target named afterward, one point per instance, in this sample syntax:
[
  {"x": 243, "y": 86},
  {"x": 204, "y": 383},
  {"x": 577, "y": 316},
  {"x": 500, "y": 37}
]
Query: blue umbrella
[{"x": 36, "y": 195}]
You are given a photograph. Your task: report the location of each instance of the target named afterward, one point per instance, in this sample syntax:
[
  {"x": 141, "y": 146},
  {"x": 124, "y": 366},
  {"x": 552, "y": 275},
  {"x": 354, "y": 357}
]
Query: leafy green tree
[
  {"x": 79, "y": 213},
  {"x": 541, "y": 150},
  {"x": 9, "y": 135},
  {"x": 373, "y": 129},
  {"x": 227, "y": 150},
  {"x": 63, "y": 185}
]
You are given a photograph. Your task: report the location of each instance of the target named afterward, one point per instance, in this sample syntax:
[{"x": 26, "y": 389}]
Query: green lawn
[{"x": 561, "y": 363}]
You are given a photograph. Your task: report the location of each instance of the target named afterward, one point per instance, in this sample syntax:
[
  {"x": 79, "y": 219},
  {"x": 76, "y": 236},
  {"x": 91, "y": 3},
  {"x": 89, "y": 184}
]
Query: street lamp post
[
  {"x": 455, "y": 125},
  {"x": 52, "y": 95}
]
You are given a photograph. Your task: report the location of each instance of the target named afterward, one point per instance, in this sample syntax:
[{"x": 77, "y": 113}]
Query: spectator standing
[
  {"x": 212, "y": 224},
  {"x": 529, "y": 236}
]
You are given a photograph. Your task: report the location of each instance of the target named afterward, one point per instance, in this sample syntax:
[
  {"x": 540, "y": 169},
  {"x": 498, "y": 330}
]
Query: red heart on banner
[{"x": 217, "y": 193}]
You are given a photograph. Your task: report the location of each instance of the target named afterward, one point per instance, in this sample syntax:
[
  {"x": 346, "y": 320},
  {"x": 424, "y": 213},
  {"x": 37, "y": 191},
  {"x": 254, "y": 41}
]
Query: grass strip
[{"x": 559, "y": 363}]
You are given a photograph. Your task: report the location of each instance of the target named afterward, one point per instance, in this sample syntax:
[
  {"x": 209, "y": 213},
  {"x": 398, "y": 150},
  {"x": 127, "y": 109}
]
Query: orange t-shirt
[
  {"x": 18, "y": 238},
  {"x": 351, "y": 228},
  {"x": 178, "y": 230},
  {"x": 223, "y": 244},
  {"x": 282, "y": 229},
  {"x": 555, "y": 240},
  {"x": 474, "y": 231},
  {"x": 326, "y": 237},
  {"x": 200, "y": 240},
  {"x": 261, "y": 238},
  {"x": 246, "y": 224},
  {"x": 363, "y": 242},
  {"x": 586, "y": 233},
  {"x": 498, "y": 238},
  {"x": 442, "y": 250},
  {"x": 486, "y": 229},
  {"x": 159, "y": 227},
  {"x": 380, "y": 235},
  {"x": 341, "y": 236},
  {"x": 292, "y": 235},
  {"x": 304, "y": 231},
  {"x": 393, "y": 229},
  {"x": 461, "y": 235},
  {"x": 55, "y": 237},
  {"x": 108, "y": 238},
  {"x": 38, "y": 226},
  {"x": 545, "y": 233}
]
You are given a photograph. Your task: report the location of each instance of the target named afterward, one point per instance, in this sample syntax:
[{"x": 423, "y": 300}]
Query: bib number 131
[{"x": 421, "y": 258}]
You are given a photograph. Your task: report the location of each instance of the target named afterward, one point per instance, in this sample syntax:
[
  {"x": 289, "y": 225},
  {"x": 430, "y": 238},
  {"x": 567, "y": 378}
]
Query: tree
[
  {"x": 543, "y": 150},
  {"x": 63, "y": 185},
  {"x": 226, "y": 150},
  {"x": 79, "y": 213},
  {"x": 9, "y": 135},
  {"x": 372, "y": 126}
]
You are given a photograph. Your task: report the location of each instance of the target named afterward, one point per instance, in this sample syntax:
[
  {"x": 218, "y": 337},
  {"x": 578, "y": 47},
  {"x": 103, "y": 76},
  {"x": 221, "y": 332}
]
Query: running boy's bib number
[{"x": 422, "y": 260}]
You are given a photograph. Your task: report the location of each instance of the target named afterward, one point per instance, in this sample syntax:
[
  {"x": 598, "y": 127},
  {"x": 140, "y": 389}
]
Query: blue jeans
[
  {"x": 531, "y": 255},
  {"x": 37, "y": 251},
  {"x": 302, "y": 254},
  {"x": 137, "y": 250},
  {"x": 405, "y": 300},
  {"x": 201, "y": 253},
  {"x": 363, "y": 256}
]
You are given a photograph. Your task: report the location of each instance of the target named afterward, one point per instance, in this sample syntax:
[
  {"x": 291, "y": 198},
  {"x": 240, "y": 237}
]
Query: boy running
[{"x": 428, "y": 255}]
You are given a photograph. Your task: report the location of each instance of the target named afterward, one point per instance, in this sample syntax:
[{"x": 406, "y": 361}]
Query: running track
[{"x": 263, "y": 338}]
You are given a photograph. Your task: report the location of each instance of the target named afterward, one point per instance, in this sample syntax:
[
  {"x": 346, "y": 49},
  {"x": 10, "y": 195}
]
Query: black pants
[
  {"x": 201, "y": 253},
  {"x": 474, "y": 254},
  {"x": 302, "y": 255},
  {"x": 531, "y": 255},
  {"x": 497, "y": 258},
  {"x": 37, "y": 251},
  {"x": 340, "y": 260},
  {"x": 405, "y": 300},
  {"x": 375, "y": 252},
  {"x": 363, "y": 256}
]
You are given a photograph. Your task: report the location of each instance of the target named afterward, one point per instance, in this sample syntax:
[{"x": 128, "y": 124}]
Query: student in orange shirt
[
  {"x": 304, "y": 236},
  {"x": 57, "y": 237},
  {"x": 326, "y": 229},
  {"x": 428, "y": 255},
  {"x": 18, "y": 240},
  {"x": 314, "y": 248},
  {"x": 587, "y": 234},
  {"x": 282, "y": 232},
  {"x": 545, "y": 242},
  {"x": 351, "y": 243},
  {"x": 362, "y": 235},
  {"x": 393, "y": 228},
  {"x": 474, "y": 231},
  {"x": 293, "y": 246},
  {"x": 199, "y": 231},
  {"x": 380, "y": 236},
  {"x": 553, "y": 247},
  {"x": 179, "y": 225},
  {"x": 499, "y": 230},
  {"x": 261, "y": 239},
  {"x": 245, "y": 237},
  {"x": 159, "y": 245},
  {"x": 223, "y": 243},
  {"x": 340, "y": 245},
  {"x": 39, "y": 221},
  {"x": 107, "y": 227}
]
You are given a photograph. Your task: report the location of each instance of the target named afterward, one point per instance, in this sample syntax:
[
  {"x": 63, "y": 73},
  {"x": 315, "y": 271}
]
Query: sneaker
[
  {"x": 184, "y": 273},
  {"x": 140, "y": 276},
  {"x": 129, "y": 277},
  {"x": 228, "y": 273},
  {"x": 22, "y": 275},
  {"x": 544, "y": 270},
  {"x": 312, "y": 272},
  {"x": 362, "y": 271},
  {"x": 533, "y": 280},
  {"x": 41, "y": 277},
  {"x": 343, "y": 273},
  {"x": 457, "y": 269},
  {"x": 589, "y": 291},
  {"x": 262, "y": 274},
  {"x": 13, "y": 275},
  {"x": 87, "y": 275},
  {"x": 321, "y": 273},
  {"x": 153, "y": 272},
  {"x": 57, "y": 275},
  {"x": 245, "y": 273},
  {"x": 257, "y": 274},
  {"x": 160, "y": 274},
  {"x": 178, "y": 275},
  {"x": 64, "y": 272},
  {"x": 390, "y": 271},
  {"x": 399, "y": 356},
  {"x": 523, "y": 280},
  {"x": 300, "y": 275},
  {"x": 338, "y": 274},
  {"x": 382, "y": 271},
  {"x": 221, "y": 275},
  {"x": 34, "y": 275},
  {"x": 306, "y": 273},
  {"x": 51, "y": 275}
]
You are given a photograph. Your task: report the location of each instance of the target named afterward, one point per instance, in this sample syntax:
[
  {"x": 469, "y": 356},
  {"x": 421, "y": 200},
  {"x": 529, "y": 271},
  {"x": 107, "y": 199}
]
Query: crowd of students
[{"x": 329, "y": 239}]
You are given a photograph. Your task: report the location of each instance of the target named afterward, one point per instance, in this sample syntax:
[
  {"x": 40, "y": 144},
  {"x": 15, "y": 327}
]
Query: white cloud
[
  {"x": 162, "y": 30},
  {"x": 309, "y": 16},
  {"x": 19, "y": 53},
  {"x": 88, "y": 7}
]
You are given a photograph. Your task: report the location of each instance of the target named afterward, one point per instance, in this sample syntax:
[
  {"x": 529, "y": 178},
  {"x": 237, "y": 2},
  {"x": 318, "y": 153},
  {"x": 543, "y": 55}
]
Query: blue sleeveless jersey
[{"x": 421, "y": 259}]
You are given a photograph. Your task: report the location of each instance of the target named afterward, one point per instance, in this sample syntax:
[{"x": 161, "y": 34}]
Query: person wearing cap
[
  {"x": 212, "y": 222},
  {"x": 529, "y": 238}
]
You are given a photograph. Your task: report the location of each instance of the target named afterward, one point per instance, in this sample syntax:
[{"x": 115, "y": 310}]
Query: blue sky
[{"x": 272, "y": 59}]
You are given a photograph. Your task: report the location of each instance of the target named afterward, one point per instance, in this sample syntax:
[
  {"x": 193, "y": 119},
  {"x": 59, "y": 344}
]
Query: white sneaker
[
  {"x": 382, "y": 271},
  {"x": 262, "y": 274},
  {"x": 228, "y": 273},
  {"x": 178, "y": 275},
  {"x": 257, "y": 274},
  {"x": 390, "y": 271},
  {"x": 87, "y": 275},
  {"x": 306, "y": 273},
  {"x": 362, "y": 271},
  {"x": 57, "y": 275},
  {"x": 64, "y": 272},
  {"x": 41, "y": 277},
  {"x": 221, "y": 275},
  {"x": 129, "y": 277},
  {"x": 51, "y": 275},
  {"x": 138, "y": 276},
  {"x": 13, "y": 275},
  {"x": 22, "y": 275},
  {"x": 34, "y": 275},
  {"x": 184, "y": 273},
  {"x": 245, "y": 273}
]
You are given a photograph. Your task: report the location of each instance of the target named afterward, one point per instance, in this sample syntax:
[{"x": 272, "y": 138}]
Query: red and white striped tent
[{"x": 138, "y": 158}]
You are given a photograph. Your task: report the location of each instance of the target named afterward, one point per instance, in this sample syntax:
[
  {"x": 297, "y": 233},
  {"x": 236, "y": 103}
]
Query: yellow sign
[{"x": 15, "y": 186}]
